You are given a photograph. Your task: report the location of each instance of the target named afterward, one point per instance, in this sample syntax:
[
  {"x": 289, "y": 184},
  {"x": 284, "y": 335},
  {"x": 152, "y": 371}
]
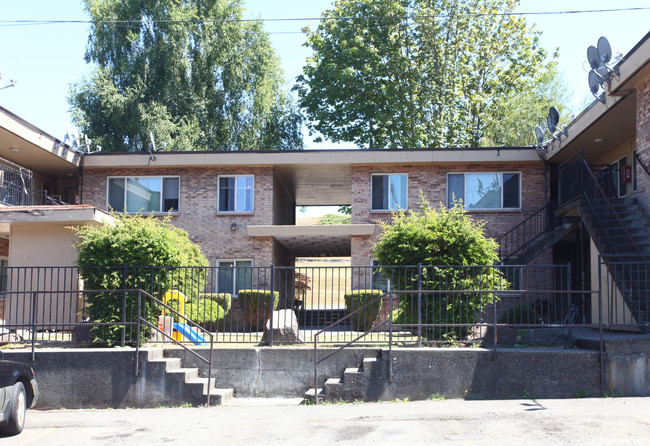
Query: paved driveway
[{"x": 606, "y": 421}]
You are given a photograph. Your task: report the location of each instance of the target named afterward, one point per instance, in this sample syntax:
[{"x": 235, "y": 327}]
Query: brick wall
[
  {"x": 198, "y": 209},
  {"x": 643, "y": 142},
  {"x": 431, "y": 181},
  {"x": 4, "y": 247}
]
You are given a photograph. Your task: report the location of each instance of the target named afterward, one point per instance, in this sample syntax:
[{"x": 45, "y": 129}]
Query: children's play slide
[{"x": 189, "y": 334}]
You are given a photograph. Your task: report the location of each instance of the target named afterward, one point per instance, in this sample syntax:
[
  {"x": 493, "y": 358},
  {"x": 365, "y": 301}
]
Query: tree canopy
[
  {"x": 420, "y": 73},
  {"x": 190, "y": 72}
]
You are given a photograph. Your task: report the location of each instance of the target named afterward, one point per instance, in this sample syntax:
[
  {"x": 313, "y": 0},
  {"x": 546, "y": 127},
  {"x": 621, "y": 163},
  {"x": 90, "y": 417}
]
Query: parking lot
[{"x": 571, "y": 421}]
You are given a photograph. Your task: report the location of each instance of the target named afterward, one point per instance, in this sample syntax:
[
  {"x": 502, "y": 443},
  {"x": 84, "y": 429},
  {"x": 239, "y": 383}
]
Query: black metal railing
[
  {"x": 16, "y": 184},
  {"x": 524, "y": 235},
  {"x": 427, "y": 304}
]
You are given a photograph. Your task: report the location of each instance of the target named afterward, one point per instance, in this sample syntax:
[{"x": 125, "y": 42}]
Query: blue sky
[{"x": 46, "y": 59}]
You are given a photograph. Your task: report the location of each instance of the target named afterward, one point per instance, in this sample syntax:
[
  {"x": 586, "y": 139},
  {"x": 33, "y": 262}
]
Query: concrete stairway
[
  {"x": 363, "y": 383},
  {"x": 169, "y": 384}
]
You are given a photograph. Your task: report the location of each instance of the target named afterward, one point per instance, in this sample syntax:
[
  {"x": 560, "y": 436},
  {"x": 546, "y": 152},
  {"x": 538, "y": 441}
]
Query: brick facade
[
  {"x": 431, "y": 181},
  {"x": 643, "y": 143},
  {"x": 197, "y": 213}
]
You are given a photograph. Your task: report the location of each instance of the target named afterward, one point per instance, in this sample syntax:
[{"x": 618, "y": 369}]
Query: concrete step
[
  {"x": 168, "y": 363},
  {"x": 185, "y": 374}
]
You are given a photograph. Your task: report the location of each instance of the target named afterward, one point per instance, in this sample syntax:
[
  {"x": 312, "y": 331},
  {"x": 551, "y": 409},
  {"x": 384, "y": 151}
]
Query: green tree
[
  {"x": 120, "y": 255},
  {"x": 416, "y": 73},
  {"x": 190, "y": 72},
  {"x": 335, "y": 219},
  {"x": 456, "y": 256}
]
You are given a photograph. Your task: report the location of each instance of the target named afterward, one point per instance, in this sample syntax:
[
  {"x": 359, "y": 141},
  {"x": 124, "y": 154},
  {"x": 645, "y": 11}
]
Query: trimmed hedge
[
  {"x": 204, "y": 312},
  {"x": 364, "y": 319},
  {"x": 257, "y": 306},
  {"x": 223, "y": 299}
]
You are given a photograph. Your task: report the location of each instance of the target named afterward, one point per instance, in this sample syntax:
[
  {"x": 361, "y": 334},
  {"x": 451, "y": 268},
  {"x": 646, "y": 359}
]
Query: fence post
[
  {"x": 34, "y": 302},
  {"x": 137, "y": 342},
  {"x": 568, "y": 317},
  {"x": 600, "y": 326},
  {"x": 123, "y": 341},
  {"x": 419, "y": 305},
  {"x": 272, "y": 300}
]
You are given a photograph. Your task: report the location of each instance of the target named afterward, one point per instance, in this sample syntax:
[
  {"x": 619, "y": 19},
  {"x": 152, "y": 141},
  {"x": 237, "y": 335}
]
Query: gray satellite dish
[
  {"x": 593, "y": 57},
  {"x": 594, "y": 82},
  {"x": 604, "y": 50},
  {"x": 539, "y": 134},
  {"x": 553, "y": 119}
]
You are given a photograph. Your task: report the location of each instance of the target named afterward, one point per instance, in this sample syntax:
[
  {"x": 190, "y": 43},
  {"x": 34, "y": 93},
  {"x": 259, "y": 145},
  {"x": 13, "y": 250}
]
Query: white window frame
[
  {"x": 234, "y": 276},
  {"x": 219, "y": 177},
  {"x": 162, "y": 191},
  {"x": 501, "y": 173},
  {"x": 406, "y": 205}
]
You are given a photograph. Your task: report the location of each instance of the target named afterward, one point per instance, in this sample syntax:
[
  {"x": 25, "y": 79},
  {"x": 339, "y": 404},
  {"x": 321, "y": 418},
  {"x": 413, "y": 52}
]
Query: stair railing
[
  {"x": 642, "y": 164},
  {"x": 528, "y": 231},
  {"x": 388, "y": 321},
  {"x": 593, "y": 190},
  {"x": 143, "y": 297}
]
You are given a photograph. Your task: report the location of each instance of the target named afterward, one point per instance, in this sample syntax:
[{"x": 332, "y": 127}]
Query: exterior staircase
[
  {"x": 356, "y": 383},
  {"x": 169, "y": 384},
  {"x": 621, "y": 232}
]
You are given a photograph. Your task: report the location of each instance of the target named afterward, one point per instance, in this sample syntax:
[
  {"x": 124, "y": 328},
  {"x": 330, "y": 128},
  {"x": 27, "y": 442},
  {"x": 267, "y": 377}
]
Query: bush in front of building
[
  {"x": 457, "y": 257},
  {"x": 365, "y": 318},
  {"x": 135, "y": 252},
  {"x": 223, "y": 299}
]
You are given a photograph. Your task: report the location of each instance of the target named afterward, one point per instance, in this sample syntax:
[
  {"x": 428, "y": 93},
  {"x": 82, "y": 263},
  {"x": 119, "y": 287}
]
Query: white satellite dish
[
  {"x": 593, "y": 57},
  {"x": 539, "y": 135}
]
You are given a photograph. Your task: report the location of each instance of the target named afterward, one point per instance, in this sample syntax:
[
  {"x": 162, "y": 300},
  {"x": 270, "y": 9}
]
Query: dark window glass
[
  {"x": 511, "y": 190},
  {"x": 455, "y": 188}
]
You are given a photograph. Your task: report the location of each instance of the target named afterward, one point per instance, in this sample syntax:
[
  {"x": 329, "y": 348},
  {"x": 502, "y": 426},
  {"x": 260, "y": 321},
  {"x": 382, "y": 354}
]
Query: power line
[{"x": 319, "y": 19}]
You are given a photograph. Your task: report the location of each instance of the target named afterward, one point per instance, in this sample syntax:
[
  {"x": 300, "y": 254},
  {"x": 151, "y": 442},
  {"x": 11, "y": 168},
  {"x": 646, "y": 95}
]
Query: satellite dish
[
  {"x": 593, "y": 57},
  {"x": 553, "y": 119},
  {"x": 604, "y": 50},
  {"x": 594, "y": 82},
  {"x": 539, "y": 134}
]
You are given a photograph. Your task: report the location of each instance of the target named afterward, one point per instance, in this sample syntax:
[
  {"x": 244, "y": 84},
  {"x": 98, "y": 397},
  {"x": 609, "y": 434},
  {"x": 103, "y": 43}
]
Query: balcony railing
[{"x": 17, "y": 187}]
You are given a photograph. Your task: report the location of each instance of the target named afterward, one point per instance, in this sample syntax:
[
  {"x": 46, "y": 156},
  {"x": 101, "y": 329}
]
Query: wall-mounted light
[
  {"x": 498, "y": 152},
  {"x": 233, "y": 227},
  {"x": 14, "y": 149},
  {"x": 600, "y": 140}
]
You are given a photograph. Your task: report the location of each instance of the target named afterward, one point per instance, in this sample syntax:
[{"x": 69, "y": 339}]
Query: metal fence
[{"x": 422, "y": 304}]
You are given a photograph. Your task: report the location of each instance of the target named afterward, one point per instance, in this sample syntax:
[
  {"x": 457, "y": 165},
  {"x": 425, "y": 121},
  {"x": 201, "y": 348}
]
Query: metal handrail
[
  {"x": 388, "y": 321},
  {"x": 550, "y": 222},
  {"x": 610, "y": 207},
  {"x": 173, "y": 311},
  {"x": 647, "y": 170}
]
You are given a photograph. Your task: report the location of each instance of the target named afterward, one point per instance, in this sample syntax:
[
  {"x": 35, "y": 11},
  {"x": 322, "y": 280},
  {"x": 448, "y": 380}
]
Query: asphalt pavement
[{"x": 593, "y": 421}]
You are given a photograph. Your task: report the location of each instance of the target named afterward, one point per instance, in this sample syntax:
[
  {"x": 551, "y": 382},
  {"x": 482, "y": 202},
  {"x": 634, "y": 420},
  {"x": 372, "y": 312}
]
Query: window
[
  {"x": 234, "y": 275},
  {"x": 236, "y": 193},
  {"x": 143, "y": 194},
  {"x": 4, "y": 273},
  {"x": 484, "y": 190},
  {"x": 389, "y": 192}
]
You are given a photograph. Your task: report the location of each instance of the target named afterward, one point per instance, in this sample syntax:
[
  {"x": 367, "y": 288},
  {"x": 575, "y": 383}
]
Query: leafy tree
[
  {"x": 120, "y": 255},
  {"x": 189, "y": 72},
  {"x": 416, "y": 73},
  {"x": 456, "y": 256},
  {"x": 335, "y": 219}
]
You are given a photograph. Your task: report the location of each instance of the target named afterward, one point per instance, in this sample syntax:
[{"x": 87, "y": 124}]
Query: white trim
[
  {"x": 162, "y": 191},
  {"x": 389, "y": 174},
  {"x": 252, "y": 211},
  {"x": 501, "y": 173}
]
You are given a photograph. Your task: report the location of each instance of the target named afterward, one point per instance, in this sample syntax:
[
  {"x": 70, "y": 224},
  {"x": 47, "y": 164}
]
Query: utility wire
[{"x": 319, "y": 19}]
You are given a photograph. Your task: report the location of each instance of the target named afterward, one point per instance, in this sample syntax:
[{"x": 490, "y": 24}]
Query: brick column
[{"x": 643, "y": 143}]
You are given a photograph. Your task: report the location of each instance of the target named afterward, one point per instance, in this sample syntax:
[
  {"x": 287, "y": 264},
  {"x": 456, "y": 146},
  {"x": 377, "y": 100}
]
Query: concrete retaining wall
[{"x": 105, "y": 377}]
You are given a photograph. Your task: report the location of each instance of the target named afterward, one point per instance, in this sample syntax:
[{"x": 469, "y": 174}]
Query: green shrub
[
  {"x": 204, "y": 312},
  {"x": 223, "y": 299},
  {"x": 448, "y": 239},
  {"x": 257, "y": 306},
  {"x": 520, "y": 314},
  {"x": 364, "y": 319},
  {"x": 119, "y": 255}
]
